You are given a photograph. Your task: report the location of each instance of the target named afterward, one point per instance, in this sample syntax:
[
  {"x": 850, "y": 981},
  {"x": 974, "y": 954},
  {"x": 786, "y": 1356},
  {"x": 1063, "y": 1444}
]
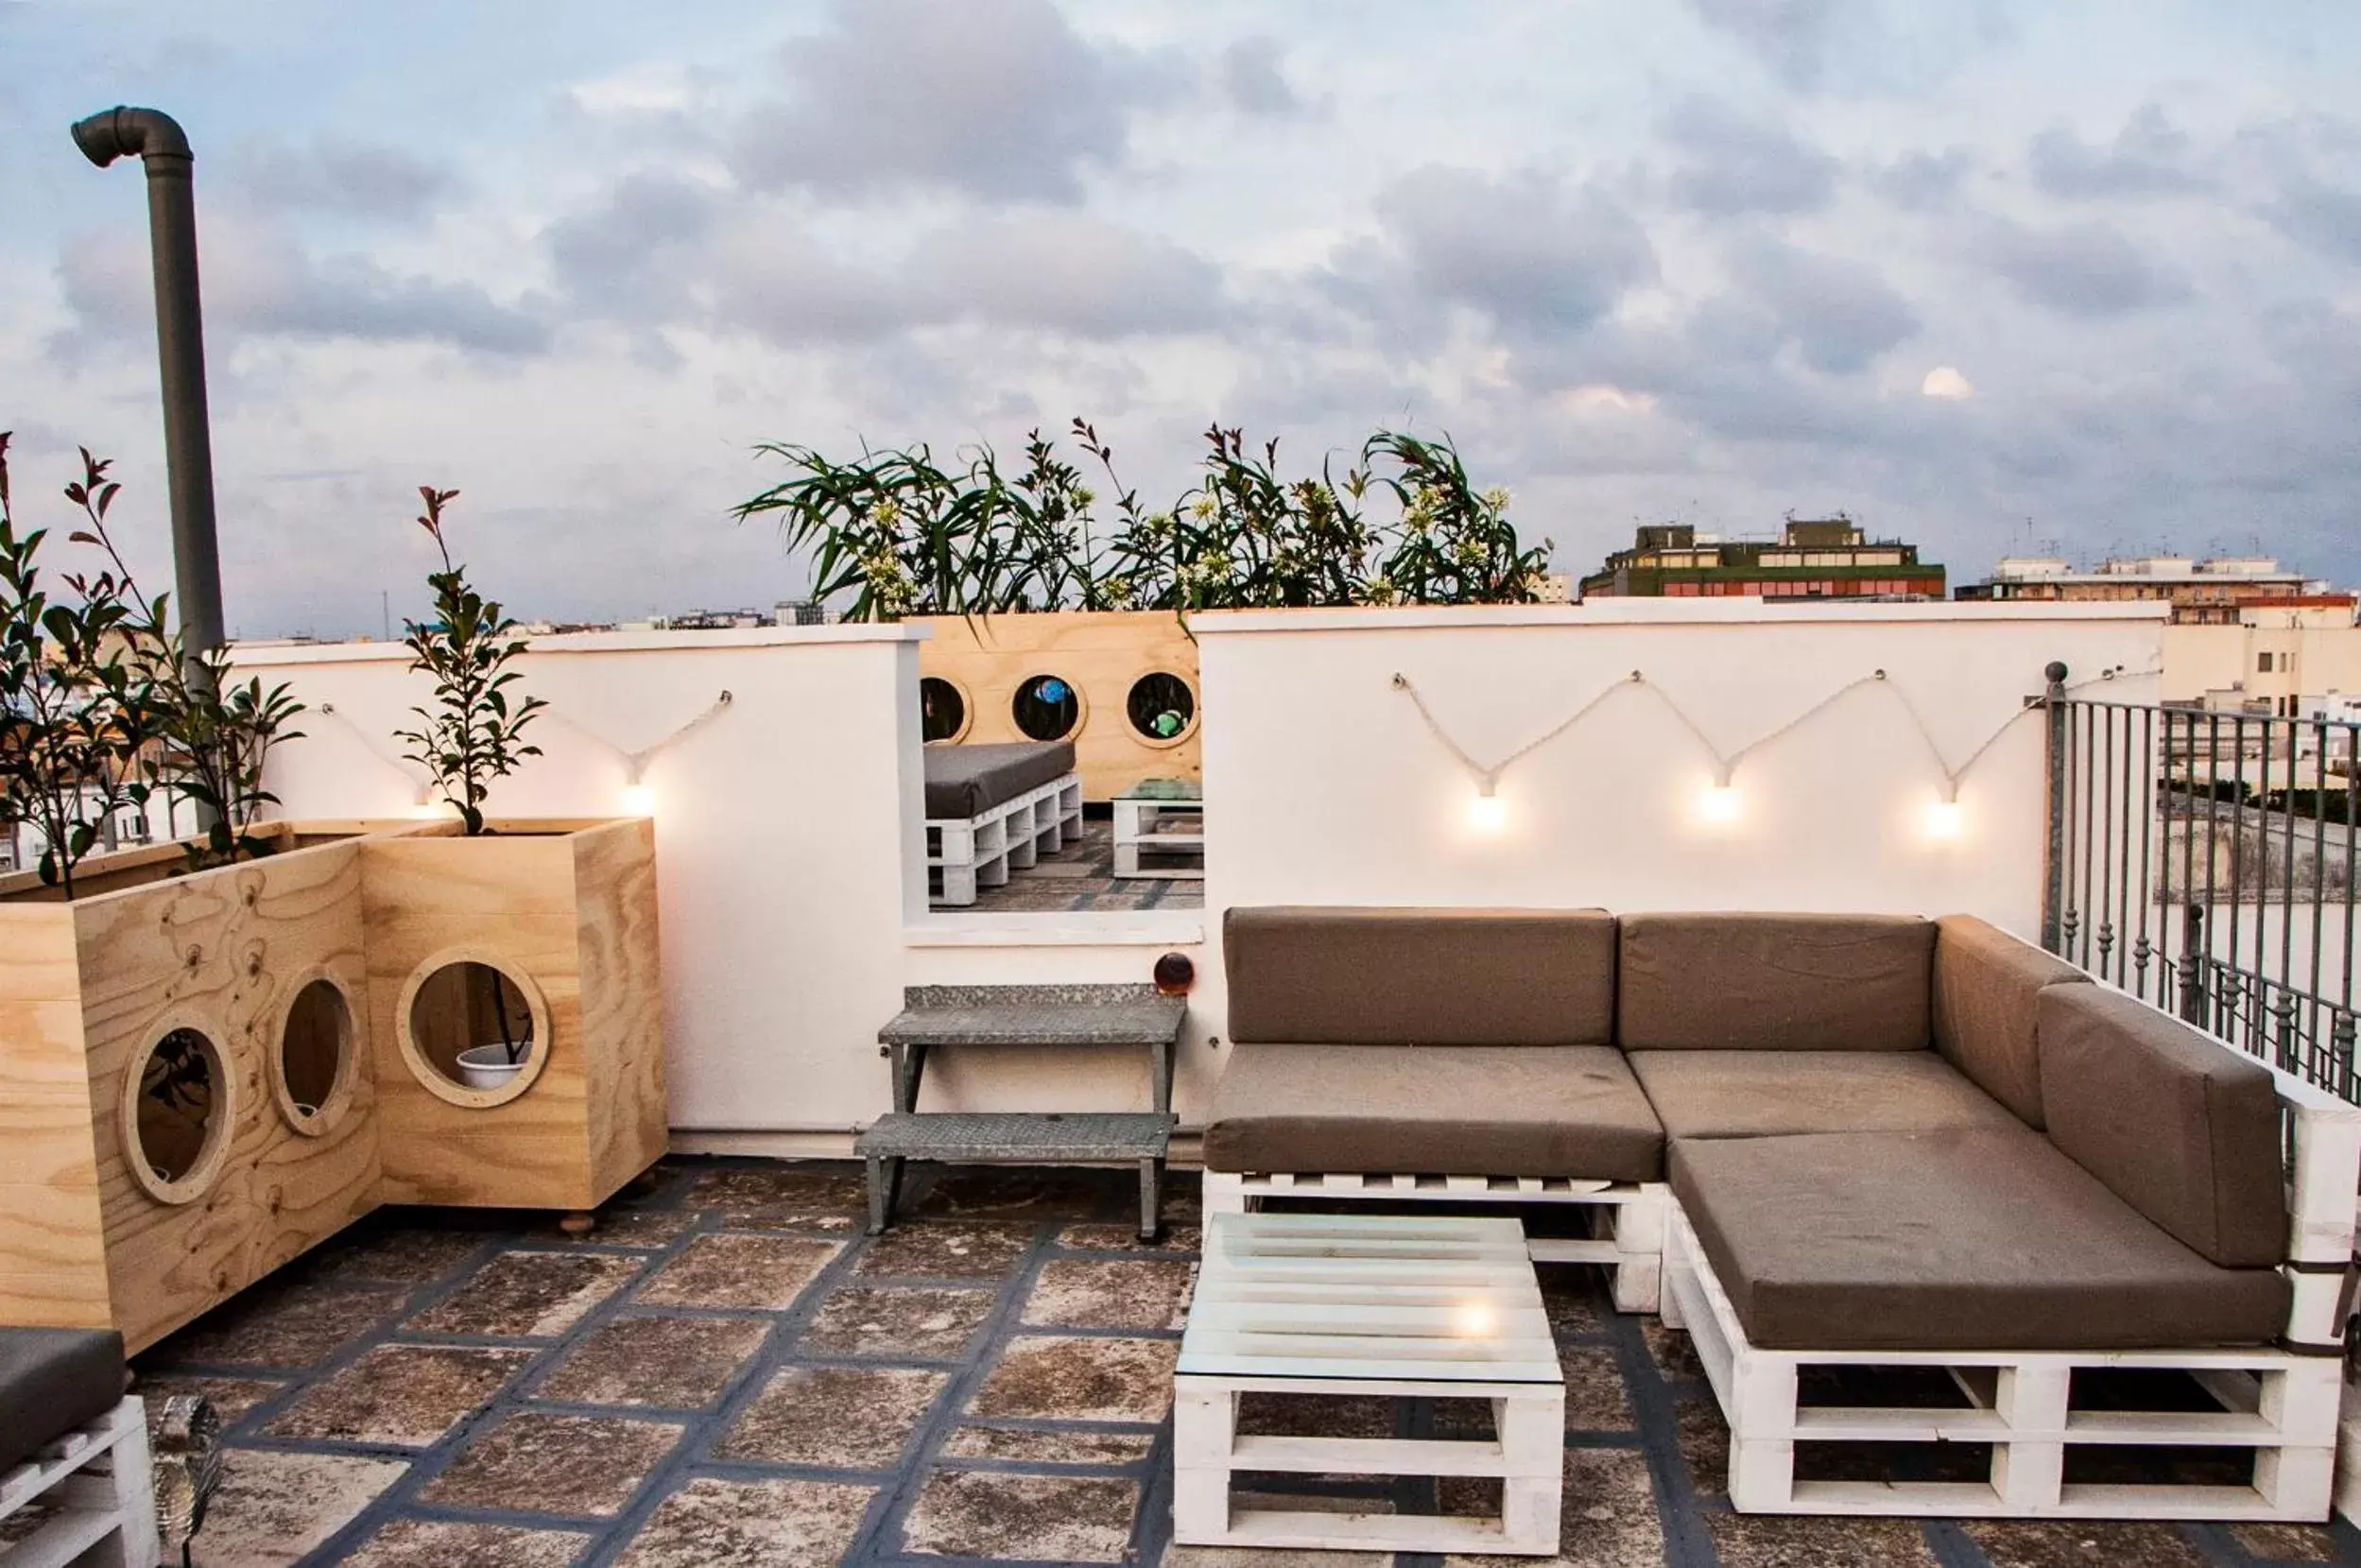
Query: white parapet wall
[
  {"x": 792, "y": 888},
  {"x": 1324, "y": 782},
  {"x": 786, "y": 826}
]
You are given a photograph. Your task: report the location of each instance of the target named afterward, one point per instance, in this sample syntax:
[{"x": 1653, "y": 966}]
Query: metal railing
[{"x": 2206, "y": 862}]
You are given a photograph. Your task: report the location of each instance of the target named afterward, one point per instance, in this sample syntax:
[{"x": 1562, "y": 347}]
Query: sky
[{"x": 1989, "y": 275}]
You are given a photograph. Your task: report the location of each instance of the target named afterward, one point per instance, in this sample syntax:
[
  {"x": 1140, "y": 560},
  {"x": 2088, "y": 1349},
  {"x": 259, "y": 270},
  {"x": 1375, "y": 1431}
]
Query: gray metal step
[
  {"x": 1036, "y": 1015},
  {"x": 1027, "y": 1138}
]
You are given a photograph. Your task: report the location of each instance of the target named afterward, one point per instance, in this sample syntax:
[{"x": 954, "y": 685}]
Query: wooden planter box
[
  {"x": 566, "y": 912},
  {"x": 91, "y": 1234}
]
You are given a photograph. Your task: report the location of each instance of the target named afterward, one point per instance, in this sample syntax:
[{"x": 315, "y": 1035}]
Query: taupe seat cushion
[
  {"x": 2175, "y": 1125},
  {"x": 1967, "y": 1238},
  {"x": 1774, "y": 983},
  {"x": 968, "y": 781},
  {"x": 1573, "y": 1111},
  {"x": 51, "y": 1381},
  {"x": 1986, "y": 985},
  {"x": 1765, "y": 1093},
  {"x": 1312, "y": 975}
]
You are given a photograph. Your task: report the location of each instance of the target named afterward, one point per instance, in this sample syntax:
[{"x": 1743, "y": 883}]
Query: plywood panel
[
  {"x": 223, "y": 952},
  {"x": 1100, "y": 654},
  {"x": 622, "y": 999},
  {"x": 526, "y": 899},
  {"x": 85, "y": 988}
]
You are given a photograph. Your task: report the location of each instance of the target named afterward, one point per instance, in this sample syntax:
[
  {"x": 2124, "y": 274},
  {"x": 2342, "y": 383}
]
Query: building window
[{"x": 2263, "y": 663}]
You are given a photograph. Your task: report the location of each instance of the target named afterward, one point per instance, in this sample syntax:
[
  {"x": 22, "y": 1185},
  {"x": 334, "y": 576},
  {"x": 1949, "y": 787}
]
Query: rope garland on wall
[
  {"x": 423, "y": 787},
  {"x": 1726, "y": 762},
  {"x": 635, "y": 762}
]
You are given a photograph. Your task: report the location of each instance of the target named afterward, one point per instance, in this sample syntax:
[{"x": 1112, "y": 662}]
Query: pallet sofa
[
  {"x": 994, "y": 808},
  {"x": 73, "y": 1448},
  {"x": 2037, "y": 1216}
]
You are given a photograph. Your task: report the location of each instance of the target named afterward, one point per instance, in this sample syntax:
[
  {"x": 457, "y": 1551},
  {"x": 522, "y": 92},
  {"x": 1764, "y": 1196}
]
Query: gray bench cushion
[
  {"x": 1361, "y": 976},
  {"x": 2178, "y": 1126},
  {"x": 1744, "y": 982},
  {"x": 51, "y": 1381},
  {"x": 1759, "y": 1093},
  {"x": 1572, "y": 1111},
  {"x": 1986, "y": 985},
  {"x": 1982, "y": 1238},
  {"x": 968, "y": 781}
]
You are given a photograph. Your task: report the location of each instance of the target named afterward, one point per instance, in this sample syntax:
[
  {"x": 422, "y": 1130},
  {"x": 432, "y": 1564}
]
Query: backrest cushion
[
  {"x": 1358, "y": 976},
  {"x": 1739, "y": 982},
  {"x": 1986, "y": 985},
  {"x": 2176, "y": 1126}
]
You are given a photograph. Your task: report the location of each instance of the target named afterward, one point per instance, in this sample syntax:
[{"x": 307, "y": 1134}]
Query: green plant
[
  {"x": 76, "y": 702},
  {"x": 212, "y": 733},
  {"x": 473, "y": 733},
  {"x": 1454, "y": 544},
  {"x": 906, "y": 536}
]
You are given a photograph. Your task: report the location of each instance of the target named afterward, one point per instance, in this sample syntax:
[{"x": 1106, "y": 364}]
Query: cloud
[
  {"x": 2148, "y": 157},
  {"x": 1731, "y": 165},
  {"x": 999, "y": 99},
  {"x": 1923, "y": 182},
  {"x": 1064, "y": 272},
  {"x": 2323, "y": 218},
  {"x": 1526, "y": 250},
  {"x": 260, "y": 283},
  {"x": 1790, "y": 37},
  {"x": 1839, "y": 314},
  {"x": 326, "y": 174},
  {"x": 2084, "y": 269},
  {"x": 1252, "y": 79},
  {"x": 658, "y": 250},
  {"x": 1946, "y": 382}
]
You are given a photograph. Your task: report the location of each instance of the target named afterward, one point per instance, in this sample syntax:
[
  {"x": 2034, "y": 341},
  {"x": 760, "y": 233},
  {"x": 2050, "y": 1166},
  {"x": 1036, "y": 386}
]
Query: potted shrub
[
  {"x": 514, "y": 978},
  {"x": 148, "y": 997}
]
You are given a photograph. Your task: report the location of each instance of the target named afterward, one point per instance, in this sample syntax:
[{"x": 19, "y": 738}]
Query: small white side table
[
  {"x": 1166, "y": 817},
  {"x": 1359, "y": 1304}
]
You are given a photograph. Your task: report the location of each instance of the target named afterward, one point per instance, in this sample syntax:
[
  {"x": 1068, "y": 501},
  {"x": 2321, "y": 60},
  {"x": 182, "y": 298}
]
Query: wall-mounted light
[
  {"x": 1943, "y": 819},
  {"x": 1720, "y": 802},
  {"x": 1486, "y": 812},
  {"x": 427, "y": 811},
  {"x": 639, "y": 799}
]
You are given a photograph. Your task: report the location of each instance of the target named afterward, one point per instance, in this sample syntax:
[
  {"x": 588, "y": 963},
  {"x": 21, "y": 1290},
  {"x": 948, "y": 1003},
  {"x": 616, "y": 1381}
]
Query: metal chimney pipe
[{"x": 156, "y": 138}]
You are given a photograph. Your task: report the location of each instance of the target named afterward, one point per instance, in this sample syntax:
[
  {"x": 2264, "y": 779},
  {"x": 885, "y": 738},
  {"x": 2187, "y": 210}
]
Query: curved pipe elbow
[{"x": 125, "y": 131}]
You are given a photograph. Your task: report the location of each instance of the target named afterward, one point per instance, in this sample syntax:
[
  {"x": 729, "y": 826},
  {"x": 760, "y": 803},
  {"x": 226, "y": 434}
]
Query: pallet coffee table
[{"x": 1369, "y": 1304}]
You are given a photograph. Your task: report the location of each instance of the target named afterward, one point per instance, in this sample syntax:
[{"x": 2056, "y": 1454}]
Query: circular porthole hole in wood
[
  {"x": 177, "y": 1118},
  {"x": 474, "y": 1025},
  {"x": 315, "y": 1054},
  {"x": 1047, "y": 707},
  {"x": 1160, "y": 708},
  {"x": 941, "y": 709}
]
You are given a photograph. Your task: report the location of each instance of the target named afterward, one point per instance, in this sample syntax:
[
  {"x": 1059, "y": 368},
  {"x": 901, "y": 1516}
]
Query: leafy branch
[
  {"x": 213, "y": 732},
  {"x": 473, "y": 733},
  {"x": 906, "y": 536}
]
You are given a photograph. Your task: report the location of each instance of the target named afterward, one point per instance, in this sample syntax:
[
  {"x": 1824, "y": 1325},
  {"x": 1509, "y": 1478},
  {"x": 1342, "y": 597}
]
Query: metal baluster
[
  {"x": 2140, "y": 953},
  {"x": 2193, "y": 964},
  {"x": 2238, "y": 832},
  {"x": 2102, "y": 906},
  {"x": 2149, "y": 800},
  {"x": 2340, "y": 1053},
  {"x": 2283, "y": 1012}
]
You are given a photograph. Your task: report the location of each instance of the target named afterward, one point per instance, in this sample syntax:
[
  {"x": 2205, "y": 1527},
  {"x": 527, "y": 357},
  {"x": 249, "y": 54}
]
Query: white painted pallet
[
  {"x": 1168, "y": 828},
  {"x": 2280, "y": 1405},
  {"x": 99, "y": 1481},
  {"x": 1356, "y": 1306},
  {"x": 1630, "y": 1214},
  {"x": 965, "y": 854}
]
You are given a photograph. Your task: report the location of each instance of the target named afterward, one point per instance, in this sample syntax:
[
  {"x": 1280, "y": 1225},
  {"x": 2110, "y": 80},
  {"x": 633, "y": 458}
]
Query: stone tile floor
[
  {"x": 1082, "y": 876},
  {"x": 727, "y": 1372}
]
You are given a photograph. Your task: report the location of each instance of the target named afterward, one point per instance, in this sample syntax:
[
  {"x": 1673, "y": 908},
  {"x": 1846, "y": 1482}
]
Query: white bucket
[{"x": 489, "y": 1067}]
